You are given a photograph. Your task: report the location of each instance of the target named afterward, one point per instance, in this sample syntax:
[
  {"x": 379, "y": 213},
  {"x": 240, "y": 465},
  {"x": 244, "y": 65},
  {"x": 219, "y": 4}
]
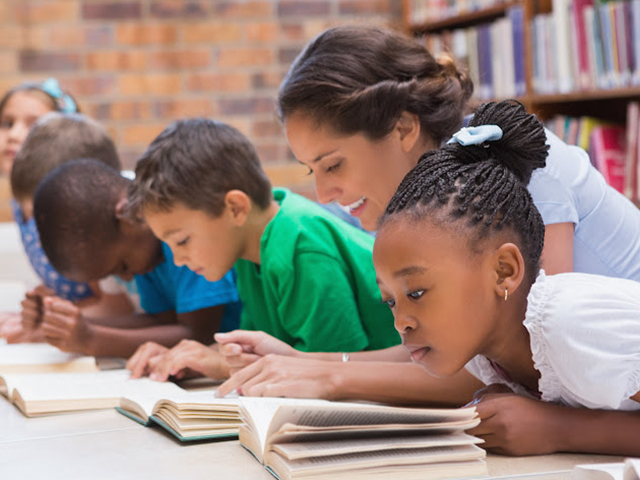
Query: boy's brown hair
[
  {"x": 56, "y": 139},
  {"x": 195, "y": 163}
]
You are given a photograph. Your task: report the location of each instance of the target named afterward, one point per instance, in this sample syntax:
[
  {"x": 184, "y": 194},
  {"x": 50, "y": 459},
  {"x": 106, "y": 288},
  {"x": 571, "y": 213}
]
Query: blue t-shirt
[
  {"x": 169, "y": 287},
  {"x": 62, "y": 286}
]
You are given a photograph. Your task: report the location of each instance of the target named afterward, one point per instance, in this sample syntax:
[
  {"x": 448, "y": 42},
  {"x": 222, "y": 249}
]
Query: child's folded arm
[{"x": 517, "y": 425}]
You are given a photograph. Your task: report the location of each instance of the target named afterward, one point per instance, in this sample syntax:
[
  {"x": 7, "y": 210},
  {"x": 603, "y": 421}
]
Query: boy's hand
[
  {"x": 138, "y": 364},
  {"x": 515, "y": 425},
  {"x": 32, "y": 307},
  {"x": 64, "y": 327},
  {"x": 242, "y": 347},
  {"x": 186, "y": 358}
]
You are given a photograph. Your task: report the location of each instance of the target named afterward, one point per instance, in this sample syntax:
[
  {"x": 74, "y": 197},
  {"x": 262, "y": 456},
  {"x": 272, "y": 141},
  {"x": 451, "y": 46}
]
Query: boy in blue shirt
[{"x": 81, "y": 214}]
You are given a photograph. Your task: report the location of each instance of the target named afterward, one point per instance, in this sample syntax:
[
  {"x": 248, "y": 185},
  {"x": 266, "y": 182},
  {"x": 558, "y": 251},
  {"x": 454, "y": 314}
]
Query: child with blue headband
[
  {"x": 20, "y": 107},
  {"x": 457, "y": 259}
]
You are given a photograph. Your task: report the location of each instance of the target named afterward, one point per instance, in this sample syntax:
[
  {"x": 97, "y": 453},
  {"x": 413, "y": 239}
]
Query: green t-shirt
[{"x": 316, "y": 287}]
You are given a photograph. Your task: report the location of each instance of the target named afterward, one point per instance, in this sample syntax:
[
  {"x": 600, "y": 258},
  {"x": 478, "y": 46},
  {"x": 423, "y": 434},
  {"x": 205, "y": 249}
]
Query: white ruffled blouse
[{"x": 585, "y": 341}]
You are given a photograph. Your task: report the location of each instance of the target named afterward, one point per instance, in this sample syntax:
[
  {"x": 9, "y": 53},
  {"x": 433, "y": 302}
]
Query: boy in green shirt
[{"x": 304, "y": 276}]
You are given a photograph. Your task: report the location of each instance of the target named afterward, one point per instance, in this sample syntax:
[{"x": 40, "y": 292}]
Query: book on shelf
[
  {"x": 36, "y": 394},
  {"x": 189, "y": 416},
  {"x": 608, "y": 154},
  {"x": 42, "y": 358},
  {"x": 631, "y": 160},
  {"x": 562, "y": 45},
  {"x": 516, "y": 15},
  {"x": 309, "y": 439},
  {"x": 627, "y": 470}
]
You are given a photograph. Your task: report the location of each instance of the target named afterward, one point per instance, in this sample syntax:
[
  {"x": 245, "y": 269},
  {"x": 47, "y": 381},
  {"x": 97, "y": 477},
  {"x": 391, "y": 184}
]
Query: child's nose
[
  {"x": 404, "y": 323},
  {"x": 180, "y": 259}
]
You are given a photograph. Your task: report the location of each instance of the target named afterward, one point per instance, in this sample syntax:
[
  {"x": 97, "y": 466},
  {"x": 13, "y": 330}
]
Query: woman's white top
[
  {"x": 585, "y": 341},
  {"x": 607, "y": 225}
]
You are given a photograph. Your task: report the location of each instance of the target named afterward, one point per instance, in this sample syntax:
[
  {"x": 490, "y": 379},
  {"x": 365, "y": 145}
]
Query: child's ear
[
  {"x": 408, "y": 128},
  {"x": 237, "y": 205},
  {"x": 509, "y": 269},
  {"x": 122, "y": 210}
]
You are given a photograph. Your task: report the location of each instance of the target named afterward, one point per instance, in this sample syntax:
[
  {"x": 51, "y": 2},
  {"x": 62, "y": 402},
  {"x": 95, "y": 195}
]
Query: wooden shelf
[
  {"x": 580, "y": 96},
  {"x": 464, "y": 19}
]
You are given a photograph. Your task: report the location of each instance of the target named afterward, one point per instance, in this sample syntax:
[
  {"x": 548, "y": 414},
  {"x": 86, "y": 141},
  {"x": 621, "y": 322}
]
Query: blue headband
[
  {"x": 65, "y": 102},
  {"x": 476, "y": 135}
]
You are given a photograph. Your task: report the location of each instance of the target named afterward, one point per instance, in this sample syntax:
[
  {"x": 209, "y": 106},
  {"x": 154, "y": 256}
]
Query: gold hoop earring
[{"x": 506, "y": 294}]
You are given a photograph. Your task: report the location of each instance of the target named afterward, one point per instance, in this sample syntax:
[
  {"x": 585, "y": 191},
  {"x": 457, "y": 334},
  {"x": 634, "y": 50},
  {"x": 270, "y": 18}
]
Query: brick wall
[{"x": 135, "y": 65}]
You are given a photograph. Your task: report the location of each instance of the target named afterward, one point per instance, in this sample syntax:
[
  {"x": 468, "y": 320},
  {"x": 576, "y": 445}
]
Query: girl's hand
[
  {"x": 188, "y": 359},
  {"x": 279, "y": 376},
  {"x": 515, "y": 425},
  {"x": 242, "y": 347},
  {"x": 138, "y": 363}
]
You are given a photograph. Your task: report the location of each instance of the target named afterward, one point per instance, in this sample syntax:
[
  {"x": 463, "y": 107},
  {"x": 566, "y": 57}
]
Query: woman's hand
[{"x": 283, "y": 376}]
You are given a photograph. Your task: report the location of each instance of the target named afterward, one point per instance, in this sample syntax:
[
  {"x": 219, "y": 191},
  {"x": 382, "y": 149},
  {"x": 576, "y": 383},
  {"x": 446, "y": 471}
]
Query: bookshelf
[
  {"x": 574, "y": 63},
  {"x": 606, "y": 103}
]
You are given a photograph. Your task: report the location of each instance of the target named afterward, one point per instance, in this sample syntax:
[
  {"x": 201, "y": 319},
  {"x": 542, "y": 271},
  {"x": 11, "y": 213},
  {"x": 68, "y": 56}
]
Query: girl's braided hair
[{"x": 482, "y": 185}]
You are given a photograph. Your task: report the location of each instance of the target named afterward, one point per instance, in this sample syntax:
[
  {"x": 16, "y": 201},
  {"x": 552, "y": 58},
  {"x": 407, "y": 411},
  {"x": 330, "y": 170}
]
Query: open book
[
  {"x": 189, "y": 416},
  {"x": 45, "y": 393},
  {"x": 41, "y": 358},
  {"x": 627, "y": 470},
  {"x": 309, "y": 439}
]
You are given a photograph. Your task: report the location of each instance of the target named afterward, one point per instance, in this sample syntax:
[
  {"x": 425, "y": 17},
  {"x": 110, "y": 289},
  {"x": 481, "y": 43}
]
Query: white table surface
[{"x": 106, "y": 445}]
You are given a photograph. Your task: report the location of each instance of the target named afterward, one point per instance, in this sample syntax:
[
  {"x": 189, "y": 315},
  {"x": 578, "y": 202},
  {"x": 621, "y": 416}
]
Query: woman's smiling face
[{"x": 357, "y": 172}]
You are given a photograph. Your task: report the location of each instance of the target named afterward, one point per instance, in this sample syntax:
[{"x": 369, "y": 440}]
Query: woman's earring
[{"x": 506, "y": 294}]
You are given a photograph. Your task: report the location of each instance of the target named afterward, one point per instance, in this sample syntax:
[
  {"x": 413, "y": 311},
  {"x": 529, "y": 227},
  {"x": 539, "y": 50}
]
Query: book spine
[
  {"x": 601, "y": 47},
  {"x": 583, "y": 44},
  {"x": 631, "y": 176},
  {"x": 484, "y": 57},
  {"x": 604, "y": 18},
  {"x": 516, "y": 14},
  {"x": 562, "y": 46},
  {"x": 635, "y": 39}
]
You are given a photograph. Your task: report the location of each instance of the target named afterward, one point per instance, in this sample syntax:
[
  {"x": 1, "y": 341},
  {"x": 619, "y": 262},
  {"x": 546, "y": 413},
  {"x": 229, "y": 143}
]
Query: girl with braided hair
[{"x": 457, "y": 258}]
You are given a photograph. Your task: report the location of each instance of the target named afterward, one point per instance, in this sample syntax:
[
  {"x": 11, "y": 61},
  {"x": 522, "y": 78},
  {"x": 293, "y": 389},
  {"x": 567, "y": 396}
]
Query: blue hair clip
[
  {"x": 476, "y": 135},
  {"x": 64, "y": 101}
]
